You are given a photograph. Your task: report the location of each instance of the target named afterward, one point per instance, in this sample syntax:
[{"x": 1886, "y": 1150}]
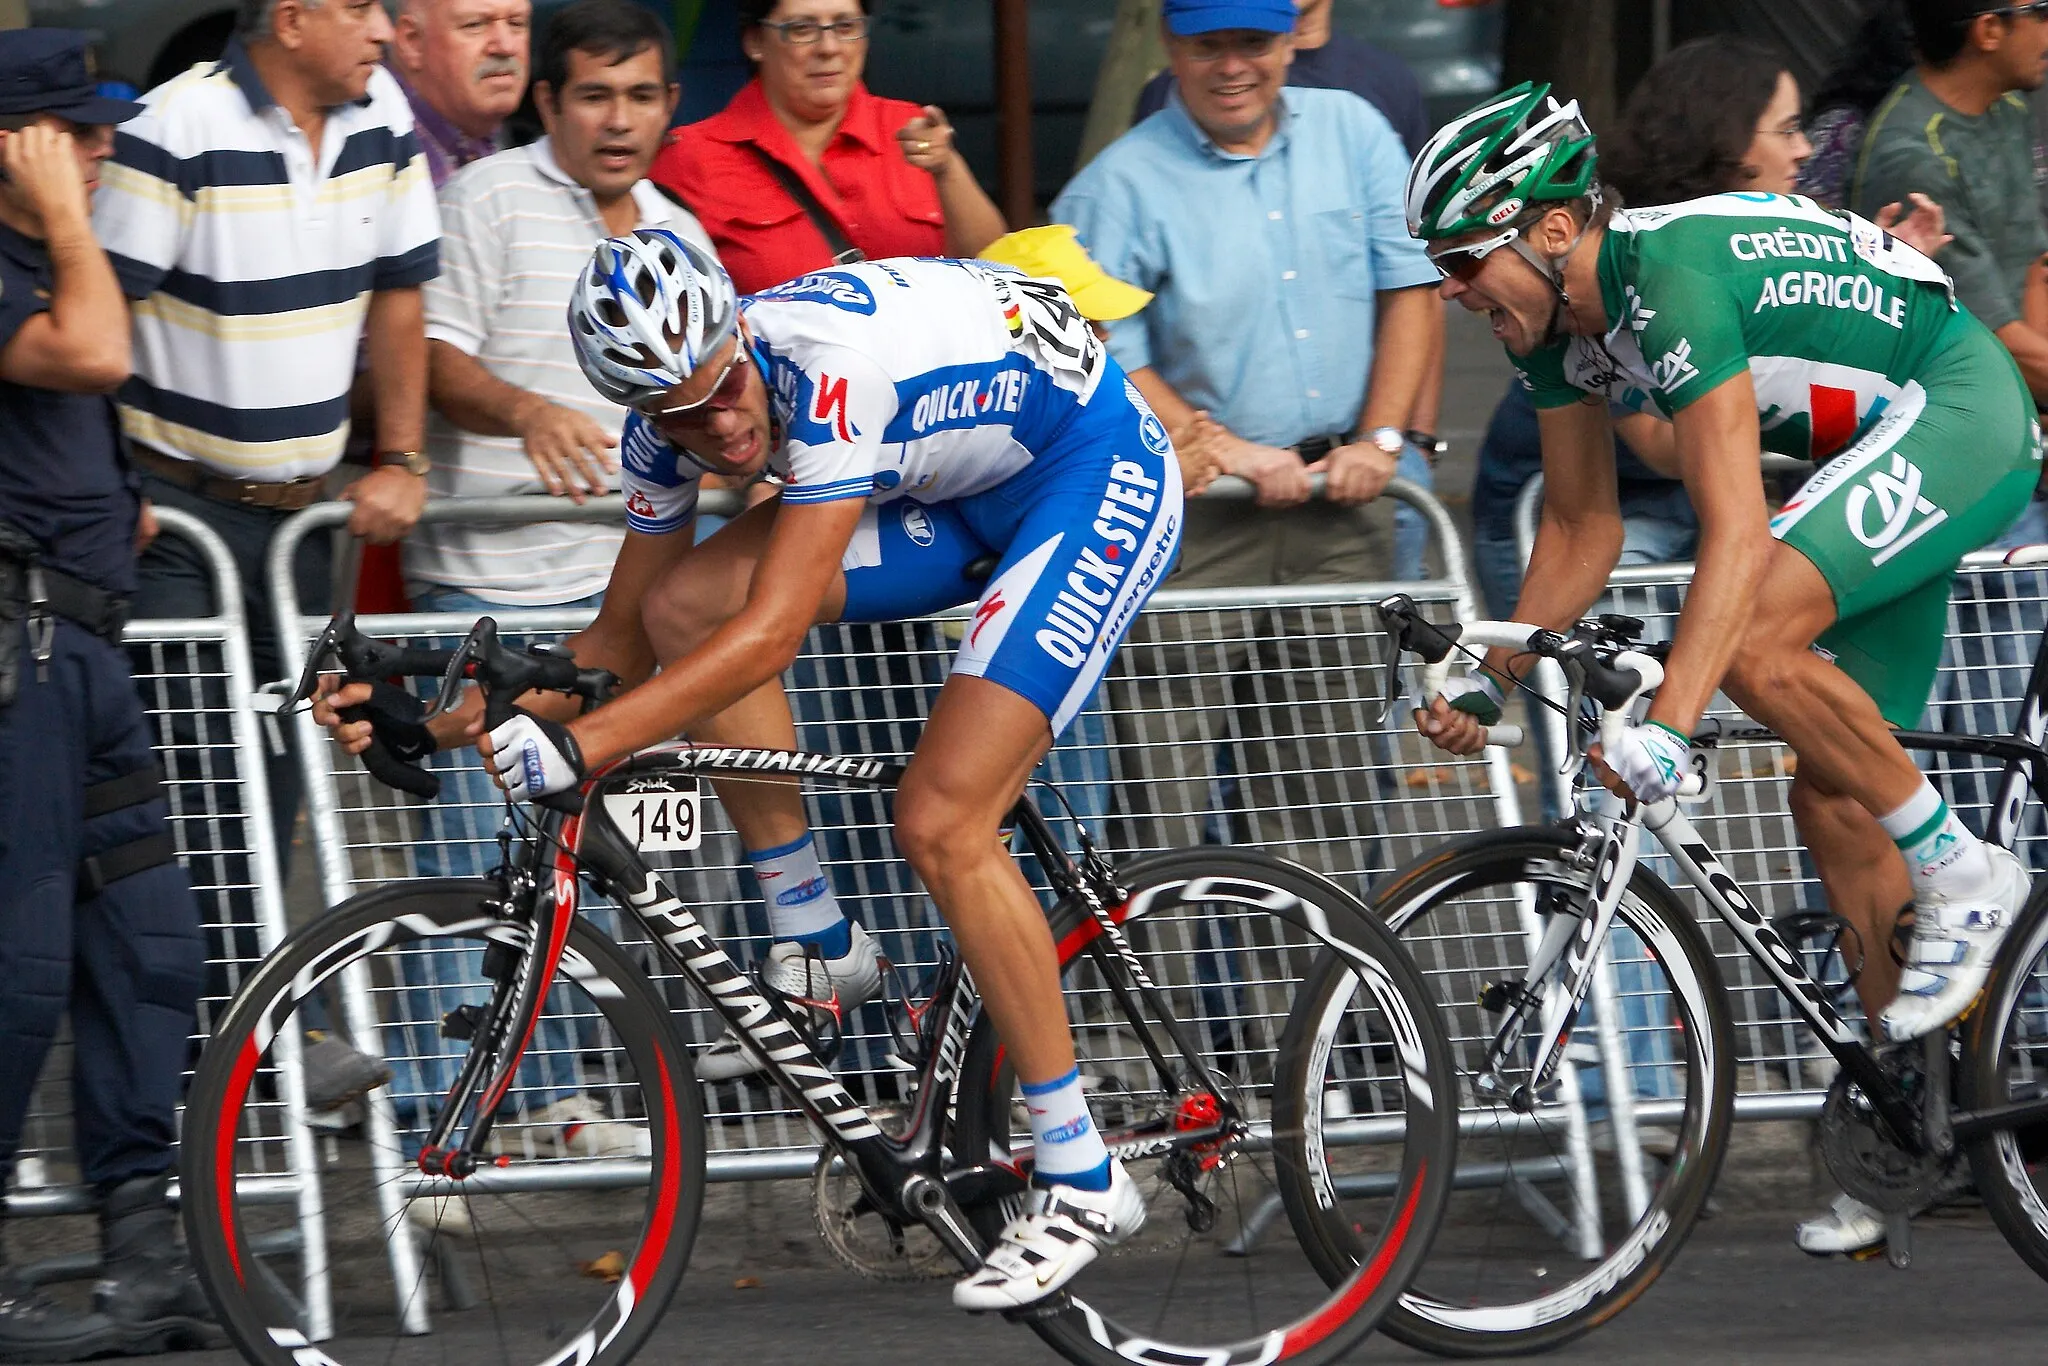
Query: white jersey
[{"x": 908, "y": 378}]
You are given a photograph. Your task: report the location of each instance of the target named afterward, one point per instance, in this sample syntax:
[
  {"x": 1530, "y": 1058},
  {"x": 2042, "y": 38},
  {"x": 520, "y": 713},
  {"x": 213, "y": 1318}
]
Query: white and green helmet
[{"x": 1492, "y": 164}]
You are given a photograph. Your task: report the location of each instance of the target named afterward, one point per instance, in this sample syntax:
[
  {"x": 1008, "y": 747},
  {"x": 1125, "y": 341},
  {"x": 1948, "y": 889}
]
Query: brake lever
[
  {"x": 1394, "y": 614},
  {"x": 325, "y": 649}
]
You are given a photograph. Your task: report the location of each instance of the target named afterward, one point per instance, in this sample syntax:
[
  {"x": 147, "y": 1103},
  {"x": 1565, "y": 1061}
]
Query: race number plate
[
  {"x": 657, "y": 813},
  {"x": 1702, "y": 764}
]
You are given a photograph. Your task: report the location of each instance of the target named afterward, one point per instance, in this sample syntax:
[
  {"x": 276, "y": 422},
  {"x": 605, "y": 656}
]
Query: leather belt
[
  {"x": 1316, "y": 447},
  {"x": 285, "y": 495}
]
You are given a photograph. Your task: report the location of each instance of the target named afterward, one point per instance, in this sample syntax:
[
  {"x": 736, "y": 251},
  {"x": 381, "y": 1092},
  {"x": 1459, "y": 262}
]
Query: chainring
[
  {"x": 1861, "y": 1153},
  {"x": 869, "y": 1244}
]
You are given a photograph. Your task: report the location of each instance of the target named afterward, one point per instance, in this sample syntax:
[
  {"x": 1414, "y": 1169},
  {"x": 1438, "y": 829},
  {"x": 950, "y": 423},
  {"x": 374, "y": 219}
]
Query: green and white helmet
[{"x": 1490, "y": 165}]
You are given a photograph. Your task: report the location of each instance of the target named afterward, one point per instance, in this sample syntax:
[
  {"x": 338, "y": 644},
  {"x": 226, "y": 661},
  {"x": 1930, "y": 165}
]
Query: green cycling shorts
[{"x": 1944, "y": 471}]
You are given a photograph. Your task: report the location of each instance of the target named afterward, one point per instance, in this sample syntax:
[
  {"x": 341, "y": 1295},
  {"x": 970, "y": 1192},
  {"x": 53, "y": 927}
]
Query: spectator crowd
[{"x": 320, "y": 268}]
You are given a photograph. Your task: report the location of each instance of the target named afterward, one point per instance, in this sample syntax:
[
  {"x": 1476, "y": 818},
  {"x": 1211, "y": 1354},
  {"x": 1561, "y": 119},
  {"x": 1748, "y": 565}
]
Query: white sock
[
  {"x": 1069, "y": 1152},
  {"x": 799, "y": 895},
  {"x": 1941, "y": 853}
]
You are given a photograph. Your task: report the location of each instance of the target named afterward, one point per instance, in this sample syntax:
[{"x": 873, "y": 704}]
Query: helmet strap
[{"x": 1553, "y": 270}]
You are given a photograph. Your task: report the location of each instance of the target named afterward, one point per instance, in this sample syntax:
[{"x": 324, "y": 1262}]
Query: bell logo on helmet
[{"x": 1505, "y": 212}]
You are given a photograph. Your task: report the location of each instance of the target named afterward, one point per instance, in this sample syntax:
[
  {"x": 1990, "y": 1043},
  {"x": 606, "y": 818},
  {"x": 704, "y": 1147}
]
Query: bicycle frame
[{"x": 905, "y": 1176}]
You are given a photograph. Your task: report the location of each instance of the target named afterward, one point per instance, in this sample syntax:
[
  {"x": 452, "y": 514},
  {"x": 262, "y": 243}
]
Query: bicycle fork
[{"x": 1609, "y": 846}]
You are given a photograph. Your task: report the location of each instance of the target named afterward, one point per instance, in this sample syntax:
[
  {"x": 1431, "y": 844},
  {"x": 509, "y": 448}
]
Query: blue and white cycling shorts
[{"x": 1083, "y": 536}]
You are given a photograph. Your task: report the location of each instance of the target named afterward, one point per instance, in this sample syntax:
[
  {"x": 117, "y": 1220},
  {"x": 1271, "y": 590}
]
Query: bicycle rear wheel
[
  {"x": 1558, "y": 1222},
  {"x": 568, "y": 1241},
  {"x": 1229, "y": 937},
  {"x": 2005, "y": 1060}
]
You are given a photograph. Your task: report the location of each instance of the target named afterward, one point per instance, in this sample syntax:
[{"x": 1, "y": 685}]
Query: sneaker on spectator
[
  {"x": 439, "y": 1215},
  {"x": 336, "y": 1073},
  {"x": 1850, "y": 1228},
  {"x": 577, "y": 1126}
]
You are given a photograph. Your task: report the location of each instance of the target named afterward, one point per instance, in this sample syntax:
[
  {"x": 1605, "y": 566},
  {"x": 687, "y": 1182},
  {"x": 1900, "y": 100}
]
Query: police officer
[{"x": 95, "y": 913}]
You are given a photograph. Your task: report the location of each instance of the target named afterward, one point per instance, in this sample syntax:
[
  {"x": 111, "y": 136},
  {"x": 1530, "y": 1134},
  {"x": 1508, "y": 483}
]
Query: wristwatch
[
  {"x": 412, "y": 462},
  {"x": 1429, "y": 443},
  {"x": 1388, "y": 439}
]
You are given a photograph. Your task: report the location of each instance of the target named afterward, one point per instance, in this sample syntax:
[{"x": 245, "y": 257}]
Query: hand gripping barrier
[{"x": 1243, "y": 715}]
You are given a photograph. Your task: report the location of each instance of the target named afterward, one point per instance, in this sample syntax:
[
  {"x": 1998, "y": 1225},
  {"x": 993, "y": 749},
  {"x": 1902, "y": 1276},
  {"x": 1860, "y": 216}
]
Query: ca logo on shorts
[
  {"x": 1901, "y": 515},
  {"x": 917, "y": 524}
]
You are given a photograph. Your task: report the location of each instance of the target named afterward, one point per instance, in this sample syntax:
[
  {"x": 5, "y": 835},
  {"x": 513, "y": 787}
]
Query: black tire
[
  {"x": 2005, "y": 1059},
  {"x": 1459, "y": 912},
  {"x": 518, "y": 1252},
  {"x": 1229, "y": 936}
]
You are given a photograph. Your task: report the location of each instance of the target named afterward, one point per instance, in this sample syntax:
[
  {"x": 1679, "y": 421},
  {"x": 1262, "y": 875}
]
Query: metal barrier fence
[
  {"x": 1996, "y": 617},
  {"x": 1239, "y": 715},
  {"x": 199, "y": 687}
]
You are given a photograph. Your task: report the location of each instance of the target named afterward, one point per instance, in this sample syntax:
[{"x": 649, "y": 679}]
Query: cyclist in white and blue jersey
[{"x": 922, "y": 415}]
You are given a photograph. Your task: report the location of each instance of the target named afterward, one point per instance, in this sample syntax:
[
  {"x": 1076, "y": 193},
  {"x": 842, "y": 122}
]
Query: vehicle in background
[{"x": 932, "y": 51}]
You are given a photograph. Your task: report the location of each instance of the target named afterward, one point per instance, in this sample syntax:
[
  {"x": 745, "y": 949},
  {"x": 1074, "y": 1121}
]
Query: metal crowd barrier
[
  {"x": 1996, "y": 616},
  {"x": 198, "y": 687}
]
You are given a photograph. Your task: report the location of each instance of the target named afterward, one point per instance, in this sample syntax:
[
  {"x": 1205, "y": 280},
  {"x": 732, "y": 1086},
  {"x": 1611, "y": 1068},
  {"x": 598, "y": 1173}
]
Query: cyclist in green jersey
[{"x": 1758, "y": 322}]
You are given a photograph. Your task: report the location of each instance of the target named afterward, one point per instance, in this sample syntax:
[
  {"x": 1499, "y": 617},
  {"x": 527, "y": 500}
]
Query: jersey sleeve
[
  {"x": 1542, "y": 373},
  {"x": 1690, "y": 330},
  {"x": 839, "y": 406},
  {"x": 660, "y": 483}
]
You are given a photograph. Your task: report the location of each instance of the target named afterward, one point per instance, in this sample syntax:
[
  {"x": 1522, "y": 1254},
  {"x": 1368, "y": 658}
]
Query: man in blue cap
[
  {"x": 95, "y": 914},
  {"x": 1292, "y": 327}
]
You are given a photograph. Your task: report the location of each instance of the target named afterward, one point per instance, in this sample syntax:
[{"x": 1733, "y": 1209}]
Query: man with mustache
[{"x": 462, "y": 66}]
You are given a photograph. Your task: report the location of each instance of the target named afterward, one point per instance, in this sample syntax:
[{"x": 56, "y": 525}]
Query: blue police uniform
[{"x": 96, "y": 915}]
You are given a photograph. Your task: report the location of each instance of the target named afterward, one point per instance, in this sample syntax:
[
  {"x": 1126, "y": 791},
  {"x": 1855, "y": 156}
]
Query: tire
[
  {"x": 1459, "y": 912},
  {"x": 2005, "y": 1058},
  {"x": 1229, "y": 937},
  {"x": 497, "y": 1261}
]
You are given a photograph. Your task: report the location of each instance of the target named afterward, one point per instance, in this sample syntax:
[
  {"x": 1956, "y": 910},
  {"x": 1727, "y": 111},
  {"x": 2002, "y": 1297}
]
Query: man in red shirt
[{"x": 806, "y": 165}]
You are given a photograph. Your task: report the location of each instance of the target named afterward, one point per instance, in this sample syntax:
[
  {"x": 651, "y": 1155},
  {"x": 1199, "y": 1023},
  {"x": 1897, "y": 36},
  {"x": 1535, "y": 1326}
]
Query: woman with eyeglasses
[{"x": 806, "y": 169}]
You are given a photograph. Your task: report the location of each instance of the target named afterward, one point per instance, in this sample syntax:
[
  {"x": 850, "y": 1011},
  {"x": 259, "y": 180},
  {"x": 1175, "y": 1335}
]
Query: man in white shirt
[{"x": 512, "y": 414}]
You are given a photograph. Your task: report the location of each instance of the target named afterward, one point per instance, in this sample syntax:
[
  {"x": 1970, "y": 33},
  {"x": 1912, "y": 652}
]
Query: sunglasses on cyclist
[
  {"x": 1463, "y": 263},
  {"x": 731, "y": 384},
  {"x": 2037, "y": 10}
]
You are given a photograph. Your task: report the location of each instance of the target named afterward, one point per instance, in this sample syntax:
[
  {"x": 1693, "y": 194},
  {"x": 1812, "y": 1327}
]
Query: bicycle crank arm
[{"x": 928, "y": 1199}]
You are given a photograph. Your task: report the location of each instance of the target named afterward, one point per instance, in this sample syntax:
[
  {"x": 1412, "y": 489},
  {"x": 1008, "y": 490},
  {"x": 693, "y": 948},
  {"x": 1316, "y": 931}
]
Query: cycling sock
[
  {"x": 1941, "y": 853},
  {"x": 1069, "y": 1151},
  {"x": 799, "y": 896}
]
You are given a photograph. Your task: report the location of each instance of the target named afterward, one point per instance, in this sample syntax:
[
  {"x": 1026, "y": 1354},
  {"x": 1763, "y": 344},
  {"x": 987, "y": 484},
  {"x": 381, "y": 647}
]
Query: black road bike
[
  {"x": 1514, "y": 927},
  {"x": 1221, "y": 1081}
]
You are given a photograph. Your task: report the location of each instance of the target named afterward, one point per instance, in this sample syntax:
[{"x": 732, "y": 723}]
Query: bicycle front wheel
[
  {"x": 1229, "y": 938},
  {"x": 567, "y": 1242},
  {"x": 1562, "y": 1216},
  {"x": 2005, "y": 1062}
]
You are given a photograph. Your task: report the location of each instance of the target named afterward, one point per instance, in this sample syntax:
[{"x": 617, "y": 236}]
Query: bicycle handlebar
[{"x": 503, "y": 675}]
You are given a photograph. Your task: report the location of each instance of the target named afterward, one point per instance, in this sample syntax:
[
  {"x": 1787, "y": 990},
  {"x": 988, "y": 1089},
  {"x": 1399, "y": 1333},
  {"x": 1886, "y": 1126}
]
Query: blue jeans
[
  {"x": 1411, "y": 528},
  {"x": 458, "y": 838}
]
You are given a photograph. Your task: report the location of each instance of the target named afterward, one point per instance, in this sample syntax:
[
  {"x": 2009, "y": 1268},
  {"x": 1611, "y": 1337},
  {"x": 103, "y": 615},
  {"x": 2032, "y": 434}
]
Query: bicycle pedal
[
  {"x": 1051, "y": 1307},
  {"x": 1862, "y": 1254}
]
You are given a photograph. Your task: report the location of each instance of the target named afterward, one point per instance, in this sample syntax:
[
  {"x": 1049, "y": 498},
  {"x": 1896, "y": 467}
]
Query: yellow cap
[{"x": 1054, "y": 253}]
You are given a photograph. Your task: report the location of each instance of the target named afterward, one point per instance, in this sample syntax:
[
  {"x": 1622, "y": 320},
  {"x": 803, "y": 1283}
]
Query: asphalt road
[{"x": 1739, "y": 1293}]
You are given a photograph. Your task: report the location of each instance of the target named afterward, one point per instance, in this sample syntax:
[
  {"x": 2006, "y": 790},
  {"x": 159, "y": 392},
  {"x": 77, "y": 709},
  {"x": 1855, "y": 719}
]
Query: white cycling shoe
[
  {"x": 1954, "y": 941},
  {"x": 1850, "y": 1228},
  {"x": 800, "y": 972},
  {"x": 1061, "y": 1230}
]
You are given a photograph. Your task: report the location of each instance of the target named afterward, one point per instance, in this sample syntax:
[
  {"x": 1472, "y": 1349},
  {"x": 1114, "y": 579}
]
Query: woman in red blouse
[{"x": 883, "y": 173}]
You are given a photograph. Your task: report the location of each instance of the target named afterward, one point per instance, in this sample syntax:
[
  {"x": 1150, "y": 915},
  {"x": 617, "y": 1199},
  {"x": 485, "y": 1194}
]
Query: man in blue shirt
[
  {"x": 1325, "y": 59},
  {"x": 96, "y": 916},
  {"x": 1292, "y": 327}
]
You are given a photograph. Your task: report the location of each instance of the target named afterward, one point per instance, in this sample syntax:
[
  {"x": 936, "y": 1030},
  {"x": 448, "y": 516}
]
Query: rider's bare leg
[
  {"x": 1833, "y": 726},
  {"x": 1864, "y": 877},
  {"x": 980, "y": 746},
  {"x": 704, "y": 590}
]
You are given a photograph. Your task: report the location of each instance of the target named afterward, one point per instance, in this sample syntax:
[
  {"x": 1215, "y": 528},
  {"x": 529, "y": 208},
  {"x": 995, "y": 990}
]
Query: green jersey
[{"x": 1834, "y": 318}]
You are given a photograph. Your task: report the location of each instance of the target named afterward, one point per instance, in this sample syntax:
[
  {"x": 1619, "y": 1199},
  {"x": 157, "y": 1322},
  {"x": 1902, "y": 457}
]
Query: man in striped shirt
[{"x": 269, "y": 212}]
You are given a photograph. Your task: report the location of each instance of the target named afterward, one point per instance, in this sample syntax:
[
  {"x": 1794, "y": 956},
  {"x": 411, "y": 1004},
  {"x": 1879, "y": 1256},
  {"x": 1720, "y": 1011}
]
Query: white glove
[
  {"x": 535, "y": 757},
  {"x": 1651, "y": 760},
  {"x": 1477, "y": 695}
]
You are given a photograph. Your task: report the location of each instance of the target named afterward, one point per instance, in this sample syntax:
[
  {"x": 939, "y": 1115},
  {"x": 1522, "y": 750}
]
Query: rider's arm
[
  {"x": 617, "y": 639},
  {"x": 2029, "y": 348},
  {"x": 1721, "y": 457},
  {"x": 1578, "y": 537},
  {"x": 1651, "y": 440},
  {"x": 754, "y": 646}
]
